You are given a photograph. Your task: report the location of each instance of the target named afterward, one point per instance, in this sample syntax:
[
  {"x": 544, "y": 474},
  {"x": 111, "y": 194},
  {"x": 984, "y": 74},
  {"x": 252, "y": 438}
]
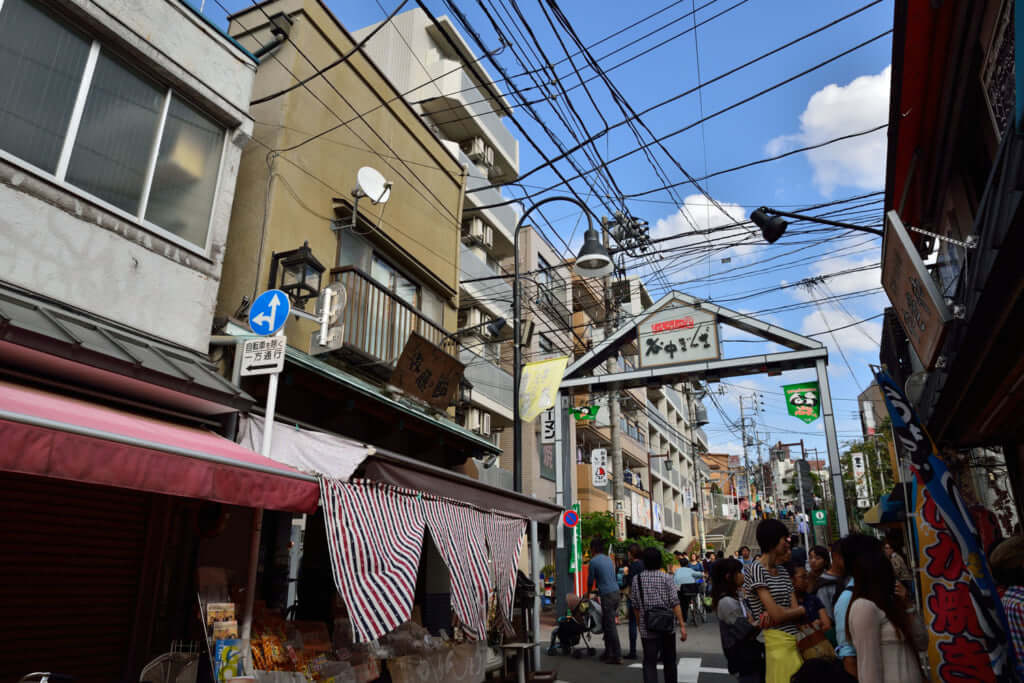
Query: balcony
[
  {"x": 498, "y": 295},
  {"x": 378, "y": 323},
  {"x": 488, "y": 380},
  {"x": 463, "y": 113},
  {"x": 503, "y": 218}
]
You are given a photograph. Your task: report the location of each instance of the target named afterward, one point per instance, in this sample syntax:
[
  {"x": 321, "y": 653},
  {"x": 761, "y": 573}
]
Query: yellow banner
[{"x": 538, "y": 388}]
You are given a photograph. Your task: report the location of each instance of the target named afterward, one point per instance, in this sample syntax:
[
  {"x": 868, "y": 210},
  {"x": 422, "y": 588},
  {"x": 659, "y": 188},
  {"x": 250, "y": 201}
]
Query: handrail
[{"x": 366, "y": 276}]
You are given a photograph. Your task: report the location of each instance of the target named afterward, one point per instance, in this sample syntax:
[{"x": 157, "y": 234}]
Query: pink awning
[{"x": 48, "y": 435}]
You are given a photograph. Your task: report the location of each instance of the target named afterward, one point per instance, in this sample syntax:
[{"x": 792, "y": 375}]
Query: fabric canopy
[
  {"x": 307, "y": 451},
  {"x": 48, "y": 435},
  {"x": 413, "y": 474},
  {"x": 459, "y": 533},
  {"x": 505, "y": 539}
]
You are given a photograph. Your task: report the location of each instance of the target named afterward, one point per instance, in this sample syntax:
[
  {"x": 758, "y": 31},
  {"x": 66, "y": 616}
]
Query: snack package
[
  {"x": 223, "y": 630},
  {"x": 227, "y": 659},
  {"x": 219, "y": 611},
  {"x": 274, "y": 653},
  {"x": 259, "y": 660}
]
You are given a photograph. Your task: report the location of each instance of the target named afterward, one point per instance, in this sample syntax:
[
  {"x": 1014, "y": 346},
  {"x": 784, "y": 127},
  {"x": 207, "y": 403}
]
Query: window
[
  {"x": 543, "y": 271},
  {"x": 72, "y": 109},
  {"x": 545, "y": 344},
  {"x": 388, "y": 276}
]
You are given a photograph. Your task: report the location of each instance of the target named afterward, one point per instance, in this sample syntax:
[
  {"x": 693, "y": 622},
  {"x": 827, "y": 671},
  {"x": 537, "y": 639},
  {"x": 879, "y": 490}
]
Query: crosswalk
[{"x": 688, "y": 669}]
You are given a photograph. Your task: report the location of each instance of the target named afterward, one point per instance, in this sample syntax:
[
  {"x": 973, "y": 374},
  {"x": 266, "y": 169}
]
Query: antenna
[{"x": 369, "y": 183}]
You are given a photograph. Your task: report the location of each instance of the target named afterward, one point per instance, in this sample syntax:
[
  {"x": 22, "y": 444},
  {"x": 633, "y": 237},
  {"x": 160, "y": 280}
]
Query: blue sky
[{"x": 846, "y": 96}]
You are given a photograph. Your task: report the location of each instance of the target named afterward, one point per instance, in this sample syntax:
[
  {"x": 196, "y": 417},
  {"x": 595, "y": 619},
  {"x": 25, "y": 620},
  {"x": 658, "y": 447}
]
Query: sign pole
[{"x": 835, "y": 469}]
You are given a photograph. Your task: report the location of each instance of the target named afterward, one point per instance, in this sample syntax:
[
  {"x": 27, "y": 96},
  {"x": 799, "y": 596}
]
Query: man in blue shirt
[{"x": 602, "y": 577}]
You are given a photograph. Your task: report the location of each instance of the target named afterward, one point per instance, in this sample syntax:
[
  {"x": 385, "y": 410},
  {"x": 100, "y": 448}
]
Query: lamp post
[{"x": 590, "y": 260}]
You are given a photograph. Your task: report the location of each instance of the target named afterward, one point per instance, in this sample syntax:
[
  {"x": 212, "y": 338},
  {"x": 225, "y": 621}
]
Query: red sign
[{"x": 680, "y": 324}]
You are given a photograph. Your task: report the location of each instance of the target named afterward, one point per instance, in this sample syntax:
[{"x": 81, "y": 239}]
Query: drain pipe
[{"x": 280, "y": 27}]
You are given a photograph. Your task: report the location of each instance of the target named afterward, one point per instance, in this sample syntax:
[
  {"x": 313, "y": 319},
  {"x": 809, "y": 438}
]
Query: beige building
[{"x": 397, "y": 259}]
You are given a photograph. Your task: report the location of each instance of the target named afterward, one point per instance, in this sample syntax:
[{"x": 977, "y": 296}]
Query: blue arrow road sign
[{"x": 269, "y": 312}]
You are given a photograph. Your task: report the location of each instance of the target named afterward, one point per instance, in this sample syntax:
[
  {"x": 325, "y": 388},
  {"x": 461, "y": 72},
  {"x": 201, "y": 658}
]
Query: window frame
[
  {"x": 59, "y": 175},
  {"x": 542, "y": 340}
]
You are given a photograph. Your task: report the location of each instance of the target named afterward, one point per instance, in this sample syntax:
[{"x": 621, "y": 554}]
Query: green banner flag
[
  {"x": 585, "y": 412},
  {"x": 576, "y": 549},
  {"x": 803, "y": 401}
]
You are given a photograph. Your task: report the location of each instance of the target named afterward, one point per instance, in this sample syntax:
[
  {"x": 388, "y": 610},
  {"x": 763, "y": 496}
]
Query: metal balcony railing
[
  {"x": 487, "y": 378},
  {"x": 378, "y": 323}
]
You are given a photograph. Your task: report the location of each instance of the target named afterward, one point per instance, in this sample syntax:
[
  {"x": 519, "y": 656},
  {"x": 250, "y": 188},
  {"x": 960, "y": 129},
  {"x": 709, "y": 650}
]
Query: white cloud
[
  {"x": 862, "y": 337},
  {"x": 838, "y": 110}
]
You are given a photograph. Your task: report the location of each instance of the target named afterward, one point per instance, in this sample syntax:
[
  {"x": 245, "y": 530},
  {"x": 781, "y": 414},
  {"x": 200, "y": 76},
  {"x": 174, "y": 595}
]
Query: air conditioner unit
[
  {"x": 488, "y": 236},
  {"x": 480, "y": 152},
  {"x": 485, "y": 424},
  {"x": 474, "y": 317},
  {"x": 473, "y": 420},
  {"x": 473, "y": 230}
]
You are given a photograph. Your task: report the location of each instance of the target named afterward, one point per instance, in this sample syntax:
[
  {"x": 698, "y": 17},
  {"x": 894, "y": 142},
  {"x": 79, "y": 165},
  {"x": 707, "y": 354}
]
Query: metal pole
[
  {"x": 746, "y": 456},
  {"x": 517, "y": 352},
  {"x": 517, "y": 366},
  {"x": 257, "y": 517},
  {"x": 563, "y": 496},
  {"x": 800, "y": 483},
  {"x": 614, "y": 413},
  {"x": 535, "y": 565},
  {"x": 835, "y": 469},
  {"x": 698, "y": 491}
]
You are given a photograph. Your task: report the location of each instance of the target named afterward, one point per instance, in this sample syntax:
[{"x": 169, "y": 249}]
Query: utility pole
[
  {"x": 698, "y": 491},
  {"x": 618, "y": 482},
  {"x": 746, "y": 458}
]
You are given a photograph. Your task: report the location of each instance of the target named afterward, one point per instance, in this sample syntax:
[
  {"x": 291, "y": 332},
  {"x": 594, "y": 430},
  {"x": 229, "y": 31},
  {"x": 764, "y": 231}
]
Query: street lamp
[
  {"x": 299, "y": 272},
  {"x": 593, "y": 254},
  {"x": 772, "y": 225}
]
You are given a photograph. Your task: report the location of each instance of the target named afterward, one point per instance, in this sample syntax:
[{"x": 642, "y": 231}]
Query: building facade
[{"x": 121, "y": 133}]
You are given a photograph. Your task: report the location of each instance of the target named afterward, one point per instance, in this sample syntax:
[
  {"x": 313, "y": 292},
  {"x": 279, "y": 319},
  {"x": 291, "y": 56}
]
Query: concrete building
[
  {"x": 121, "y": 132},
  {"x": 398, "y": 260}
]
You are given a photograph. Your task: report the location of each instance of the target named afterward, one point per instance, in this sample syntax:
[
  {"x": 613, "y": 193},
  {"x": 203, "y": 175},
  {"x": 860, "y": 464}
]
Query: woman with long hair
[
  {"x": 769, "y": 592},
  {"x": 883, "y": 629},
  {"x": 736, "y": 625}
]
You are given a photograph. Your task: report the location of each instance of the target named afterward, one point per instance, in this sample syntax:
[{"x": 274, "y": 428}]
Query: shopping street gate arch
[{"x": 678, "y": 339}]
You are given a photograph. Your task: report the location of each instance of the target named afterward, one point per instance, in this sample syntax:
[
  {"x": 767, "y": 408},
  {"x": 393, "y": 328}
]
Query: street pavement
[{"x": 700, "y": 659}]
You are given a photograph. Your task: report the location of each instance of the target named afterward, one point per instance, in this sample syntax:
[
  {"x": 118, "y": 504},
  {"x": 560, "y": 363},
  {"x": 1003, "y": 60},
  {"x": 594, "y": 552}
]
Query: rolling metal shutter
[{"x": 70, "y": 566}]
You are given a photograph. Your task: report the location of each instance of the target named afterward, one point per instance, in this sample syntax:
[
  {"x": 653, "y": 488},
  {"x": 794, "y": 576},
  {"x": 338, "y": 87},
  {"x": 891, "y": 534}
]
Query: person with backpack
[
  {"x": 656, "y": 603},
  {"x": 736, "y": 625},
  {"x": 832, "y": 581}
]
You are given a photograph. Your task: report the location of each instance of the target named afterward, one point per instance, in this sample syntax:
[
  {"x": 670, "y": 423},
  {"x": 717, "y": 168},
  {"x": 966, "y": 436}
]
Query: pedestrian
[
  {"x": 636, "y": 566},
  {"x": 602, "y": 578},
  {"x": 736, "y": 625},
  {"x": 815, "y": 610},
  {"x": 685, "y": 579},
  {"x": 899, "y": 566},
  {"x": 849, "y": 546},
  {"x": 818, "y": 563},
  {"x": 758, "y": 510},
  {"x": 745, "y": 555},
  {"x": 1008, "y": 568},
  {"x": 832, "y": 581},
  {"x": 654, "y": 589},
  {"x": 883, "y": 628},
  {"x": 798, "y": 553},
  {"x": 769, "y": 591},
  {"x": 801, "y": 523}
]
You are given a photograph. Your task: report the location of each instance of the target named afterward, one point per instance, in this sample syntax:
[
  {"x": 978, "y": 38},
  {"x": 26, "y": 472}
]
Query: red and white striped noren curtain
[
  {"x": 505, "y": 538},
  {"x": 375, "y": 538},
  {"x": 459, "y": 532}
]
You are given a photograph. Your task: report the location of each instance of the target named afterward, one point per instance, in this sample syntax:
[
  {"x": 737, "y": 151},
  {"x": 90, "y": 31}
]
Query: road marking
[{"x": 688, "y": 669}]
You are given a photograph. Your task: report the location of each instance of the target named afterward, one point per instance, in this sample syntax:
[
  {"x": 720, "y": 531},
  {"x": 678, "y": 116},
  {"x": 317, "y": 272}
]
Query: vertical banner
[
  {"x": 656, "y": 521},
  {"x": 967, "y": 629},
  {"x": 860, "y": 480},
  {"x": 538, "y": 388},
  {"x": 599, "y": 467},
  {"x": 576, "y": 549},
  {"x": 803, "y": 400},
  {"x": 547, "y": 444}
]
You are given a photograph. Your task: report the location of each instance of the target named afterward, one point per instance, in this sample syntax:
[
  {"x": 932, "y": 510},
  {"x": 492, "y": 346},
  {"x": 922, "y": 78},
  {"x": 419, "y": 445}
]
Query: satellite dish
[{"x": 370, "y": 183}]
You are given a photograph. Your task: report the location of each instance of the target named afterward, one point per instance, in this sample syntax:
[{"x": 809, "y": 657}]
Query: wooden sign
[
  {"x": 427, "y": 372},
  {"x": 916, "y": 299}
]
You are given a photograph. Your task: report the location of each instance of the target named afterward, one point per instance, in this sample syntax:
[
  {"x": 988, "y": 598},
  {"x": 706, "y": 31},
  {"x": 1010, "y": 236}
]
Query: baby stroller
[{"x": 583, "y": 619}]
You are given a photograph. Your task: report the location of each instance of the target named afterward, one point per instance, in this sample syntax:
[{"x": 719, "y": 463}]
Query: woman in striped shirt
[{"x": 772, "y": 601}]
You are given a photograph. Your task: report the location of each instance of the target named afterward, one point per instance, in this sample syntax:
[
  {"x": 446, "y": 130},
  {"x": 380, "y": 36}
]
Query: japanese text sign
[
  {"x": 803, "y": 401},
  {"x": 539, "y": 386},
  {"x": 678, "y": 334},
  {"x": 599, "y": 467},
  {"x": 427, "y": 372},
  {"x": 922, "y": 312},
  {"x": 967, "y": 628},
  {"x": 548, "y": 433},
  {"x": 860, "y": 479},
  {"x": 263, "y": 356}
]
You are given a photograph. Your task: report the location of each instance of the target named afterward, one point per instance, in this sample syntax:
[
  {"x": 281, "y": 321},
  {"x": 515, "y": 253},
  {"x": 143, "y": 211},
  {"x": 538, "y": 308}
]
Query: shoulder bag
[{"x": 658, "y": 620}]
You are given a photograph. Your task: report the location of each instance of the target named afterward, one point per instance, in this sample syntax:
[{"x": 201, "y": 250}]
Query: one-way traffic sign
[{"x": 263, "y": 356}]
